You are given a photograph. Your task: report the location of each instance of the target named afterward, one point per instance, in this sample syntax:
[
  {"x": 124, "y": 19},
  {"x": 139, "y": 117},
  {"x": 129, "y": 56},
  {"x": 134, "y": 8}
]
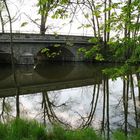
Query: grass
[
  {"x": 22, "y": 130},
  {"x": 19, "y": 129}
]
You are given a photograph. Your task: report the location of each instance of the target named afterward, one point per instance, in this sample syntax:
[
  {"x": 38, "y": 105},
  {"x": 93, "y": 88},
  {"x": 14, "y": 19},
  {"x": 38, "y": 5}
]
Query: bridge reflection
[{"x": 51, "y": 76}]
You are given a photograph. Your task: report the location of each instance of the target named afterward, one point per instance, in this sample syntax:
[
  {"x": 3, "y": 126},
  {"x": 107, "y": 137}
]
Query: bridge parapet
[{"x": 43, "y": 38}]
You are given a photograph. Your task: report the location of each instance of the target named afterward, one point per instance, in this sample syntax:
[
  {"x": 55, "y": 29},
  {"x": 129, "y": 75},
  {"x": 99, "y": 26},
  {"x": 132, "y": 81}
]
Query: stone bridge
[{"x": 27, "y": 47}]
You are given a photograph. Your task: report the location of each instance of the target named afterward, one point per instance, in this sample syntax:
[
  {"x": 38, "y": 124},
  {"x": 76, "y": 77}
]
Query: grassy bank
[{"x": 31, "y": 130}]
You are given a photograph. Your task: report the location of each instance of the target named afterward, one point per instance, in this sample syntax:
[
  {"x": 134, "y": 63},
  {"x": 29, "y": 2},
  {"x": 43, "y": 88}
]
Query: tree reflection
[
  {"x": 49, "y": 107},
  {"x": 49, "y": 110},
  {"x": 125, "y": 102},
  {"x": 134, "y": 99},
  {"x": 93, "y": 104},
  {"x": 105, "y": 126},
  {"x": 54, "y": 104},
  {"x": 128, "y": 88},
  {"x": 138, "y": 81},
  {"x": 3, "y": 106},
  {"x": 6, "y": 109}
]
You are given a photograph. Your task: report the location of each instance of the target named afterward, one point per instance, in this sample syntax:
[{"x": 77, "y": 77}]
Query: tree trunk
[
  {"x": 108, "y": 26},
  {"x": 44, "y": 16},
  {"x": 42, "y": 26},
  {"x": 105, "y": 24},
  {"x": 2, "y": 22},
  {"x": 12, "y": 59}
]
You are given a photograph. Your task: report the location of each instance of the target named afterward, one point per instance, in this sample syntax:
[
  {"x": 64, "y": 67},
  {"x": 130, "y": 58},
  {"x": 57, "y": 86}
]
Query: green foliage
[
  {"x": 136, "y": 135},
  {"x": 93, "y": 40},
  {"x": 82, "y": 50},
  {"x": 86, "y": 134},
  {"x": 48, "y": 6},
  {"x": 69, "y": 44},
  {"x": 19, "y": 129},
  {"x": 3, "y": 131},
  {"x": 52, "y": 52},
  {"x": 51, "y": 8},
  {"x": 60, "y": 13},
  {"x": 44, "y": 50},
  {"x": 24, "y": 24},
  {"x": 92, "y": 53},
  {"x": 114, "y": 73},
  {"x": 85, "y": 26},
  {"x": 24, "y": 130},
  {"x": 1, "y": 5},
  {"x": 31, "y": 130},
  {"x": 56, "y": 45},
  {"x": 64, "y": 1},
  {"x": 125, "y": 49},
  {"x": 99, "y": 57},
  {"x": 119, "y": 136},
  {"x": 97, "y": 13},
  {"x": 60, "y": 133}
]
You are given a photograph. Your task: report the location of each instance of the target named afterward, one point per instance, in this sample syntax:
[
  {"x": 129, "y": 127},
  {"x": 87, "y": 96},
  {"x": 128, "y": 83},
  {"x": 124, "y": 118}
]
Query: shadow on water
[
  {"x": 55, "y": 70},
  {"x": 71, "y": 70},
  {"x": 5, "y": 71},
  {"x": 80, "y": 96}
]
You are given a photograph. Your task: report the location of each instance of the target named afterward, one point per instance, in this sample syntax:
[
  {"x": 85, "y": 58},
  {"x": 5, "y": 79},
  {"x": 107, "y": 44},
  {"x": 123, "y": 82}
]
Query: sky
[{"x": 28, "y": 7}]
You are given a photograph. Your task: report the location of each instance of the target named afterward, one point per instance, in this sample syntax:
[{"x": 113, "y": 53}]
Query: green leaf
[
  {"x": 99, "y": 57},
  {"x": 24, "y": 24},
  {"x": 86, "y": 15},
  {"x": 44, "y": 50},
  {"x": 57, "y": 45},
  {"x": 93, "y": 40}
]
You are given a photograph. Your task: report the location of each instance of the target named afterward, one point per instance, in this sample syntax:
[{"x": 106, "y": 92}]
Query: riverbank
[{"x": 19, "y": 129}]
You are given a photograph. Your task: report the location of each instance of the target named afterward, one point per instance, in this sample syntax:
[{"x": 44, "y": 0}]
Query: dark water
[{"x": 72, "y": 94}]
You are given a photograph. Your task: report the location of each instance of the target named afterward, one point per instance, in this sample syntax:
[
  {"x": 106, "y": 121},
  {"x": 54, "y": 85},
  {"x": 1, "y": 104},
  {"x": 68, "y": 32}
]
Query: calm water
[{"x": 73, "y": 94}]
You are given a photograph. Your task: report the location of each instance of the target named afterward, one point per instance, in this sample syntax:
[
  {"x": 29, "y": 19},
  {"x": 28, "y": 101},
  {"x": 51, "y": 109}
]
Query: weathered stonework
[{"x": 26, "y": 46}]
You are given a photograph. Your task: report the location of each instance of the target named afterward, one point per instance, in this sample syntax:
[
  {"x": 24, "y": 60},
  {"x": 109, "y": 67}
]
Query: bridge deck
[
  {"x": 30, "y": 38},
  {"x": 45, "y": 41}
]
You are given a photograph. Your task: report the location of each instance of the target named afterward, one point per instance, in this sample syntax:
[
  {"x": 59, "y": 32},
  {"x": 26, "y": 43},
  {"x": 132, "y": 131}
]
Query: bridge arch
[
  {"x": 52, "y": 53},
  {"x": 5, "y": 57}
]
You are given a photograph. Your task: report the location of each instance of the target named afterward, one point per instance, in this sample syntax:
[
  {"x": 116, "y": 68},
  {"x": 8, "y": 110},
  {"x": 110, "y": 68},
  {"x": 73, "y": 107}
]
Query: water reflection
[
  {"x": 83, "y": 97},
  {"x": 5, "y": 71}
]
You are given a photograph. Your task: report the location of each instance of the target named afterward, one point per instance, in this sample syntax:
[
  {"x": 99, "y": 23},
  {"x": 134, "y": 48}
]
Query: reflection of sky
[{"x": 77, "y": 101}]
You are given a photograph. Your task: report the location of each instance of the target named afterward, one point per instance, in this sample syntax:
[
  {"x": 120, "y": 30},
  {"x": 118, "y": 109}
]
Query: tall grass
[
  {"x": 22, "y": 130},
  {"x": 19, "y": 129}
]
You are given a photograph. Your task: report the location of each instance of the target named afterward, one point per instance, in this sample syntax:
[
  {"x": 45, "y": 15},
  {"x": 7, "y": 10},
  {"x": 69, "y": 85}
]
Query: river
[{"x": 76, "y": 95}]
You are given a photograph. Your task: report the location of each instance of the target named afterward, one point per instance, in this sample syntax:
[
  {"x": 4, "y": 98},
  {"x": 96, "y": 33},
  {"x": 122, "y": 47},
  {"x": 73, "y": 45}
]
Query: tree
[
  {"x": 98, "y": 14},
  {"x": 12, "y": 58},
  {"x": 129, "y": 18},
  {"x": 1, "y": 17},
  {"x": 4, "y": 19},
  {"x": 56, "y": 8}
]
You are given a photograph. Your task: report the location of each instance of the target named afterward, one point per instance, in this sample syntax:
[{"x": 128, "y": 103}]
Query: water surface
[{"x": 76, "y": 95}]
